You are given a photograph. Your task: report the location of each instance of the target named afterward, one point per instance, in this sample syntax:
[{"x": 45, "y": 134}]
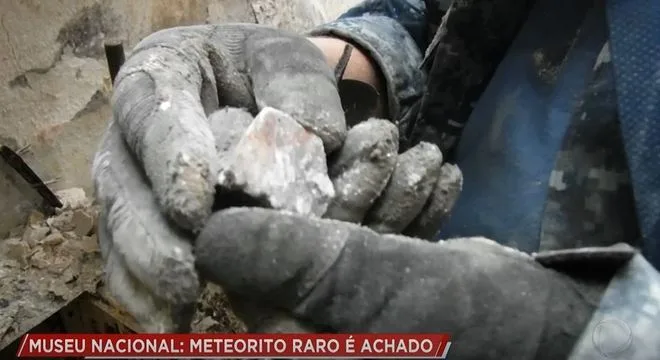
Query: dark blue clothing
[
  {"x": 549, "y": 148},
  {"x": 565, "y": 171}
]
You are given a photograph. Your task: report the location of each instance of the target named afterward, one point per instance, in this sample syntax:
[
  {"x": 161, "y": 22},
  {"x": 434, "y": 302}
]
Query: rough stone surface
[
  {"x": 438, "y": 207},
  {"x": 41, "y": 271},
  {"x": 82, "y": 222},
  {"x": 362, "y": 169},
  {"x": 228, "y": 126},
  {"x": 279, "y": 164},
  {"x": 414, "y": 178},
  {"x": 54, "y": 83}
]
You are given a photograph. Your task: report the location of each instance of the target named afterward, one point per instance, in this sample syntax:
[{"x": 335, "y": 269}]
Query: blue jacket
[{"x": 554, "y": 155}]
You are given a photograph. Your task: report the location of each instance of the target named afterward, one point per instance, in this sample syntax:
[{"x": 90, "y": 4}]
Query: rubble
[
  {"x": 73, "y": 198},
  {"x": 278, "y": 164},
  {"x": 414, "y": 178},
  {"x": 362, "y": 169},
  {"x": 46, "y": 264}
]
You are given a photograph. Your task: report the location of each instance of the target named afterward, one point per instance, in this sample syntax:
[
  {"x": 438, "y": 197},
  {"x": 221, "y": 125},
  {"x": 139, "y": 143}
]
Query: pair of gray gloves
[{"x": 355, "y": 269}]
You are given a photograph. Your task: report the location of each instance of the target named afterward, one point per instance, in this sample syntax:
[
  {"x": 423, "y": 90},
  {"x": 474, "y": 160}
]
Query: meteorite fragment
[{"x": 277, "y": 163}]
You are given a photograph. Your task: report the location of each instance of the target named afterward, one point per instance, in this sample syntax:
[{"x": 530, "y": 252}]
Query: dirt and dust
[
  {"x": 50, "y": 261},
  {"x": 214, "y": 314},
  {"x": 46, "y": 264}
]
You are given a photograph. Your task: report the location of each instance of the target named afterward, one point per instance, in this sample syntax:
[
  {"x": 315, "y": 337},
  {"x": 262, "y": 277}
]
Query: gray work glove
[
  {"x": 496, "y": 302},
  {"x": 156, "y": 169}
]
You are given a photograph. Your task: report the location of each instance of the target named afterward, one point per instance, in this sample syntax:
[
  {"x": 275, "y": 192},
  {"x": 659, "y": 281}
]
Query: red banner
[{"x": 384, "y": 346}]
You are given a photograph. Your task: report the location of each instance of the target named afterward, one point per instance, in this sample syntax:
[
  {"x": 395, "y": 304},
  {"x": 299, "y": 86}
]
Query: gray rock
[
  {"x": 228, "y": 126},
  {"x": 438, "y": 207},
  {"x": 362, "y": 168},
  {"x": 278, "y": 164},
  {"x": 414, "y": 178}
]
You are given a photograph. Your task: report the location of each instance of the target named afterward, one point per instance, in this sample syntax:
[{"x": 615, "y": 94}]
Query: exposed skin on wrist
[{"x": 360, "y": 67}]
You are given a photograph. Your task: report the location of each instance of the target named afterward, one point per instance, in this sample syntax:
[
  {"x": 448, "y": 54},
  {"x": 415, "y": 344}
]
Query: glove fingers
[
  {"x": 290, "y": 73},
  {"x": 157, "y": 103},
  {"x": 154, "y": 255},
  {"x": 408, "y": 190},
  {"x": 438, "y": 207},
  {"x": 362, "y": 168},
  {"x": 152, "y": 314}
]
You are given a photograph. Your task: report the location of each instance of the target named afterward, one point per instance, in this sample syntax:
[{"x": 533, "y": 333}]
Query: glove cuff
[{"x": 391, "y": 47}]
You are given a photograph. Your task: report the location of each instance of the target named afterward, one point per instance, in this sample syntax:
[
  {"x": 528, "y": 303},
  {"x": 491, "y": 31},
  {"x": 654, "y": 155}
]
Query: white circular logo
[{"x": 612, "y": 337}]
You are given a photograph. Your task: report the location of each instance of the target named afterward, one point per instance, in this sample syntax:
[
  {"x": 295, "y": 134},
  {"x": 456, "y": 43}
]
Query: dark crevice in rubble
[
  {"x": 20, "y": 81},
  {"x": 225, "y": 199}
]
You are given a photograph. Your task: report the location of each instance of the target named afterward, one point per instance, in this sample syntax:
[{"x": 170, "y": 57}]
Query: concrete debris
[
  {"x": 34, "y": 233},
  {"x": 278, "y": 164},
  {"x": 362, "y": 169},
  {"x": 36, "y": 217},
  {"x": 214, "y": 313},
  {"x": 61, "y": 222},
  {"x": 438, "y": 208},
  {"x": 414, "y": 178},
  {"x": 83, "y": 223},
  {"x": 73, "y": 198},
  {"x": 49, "y": 262}
]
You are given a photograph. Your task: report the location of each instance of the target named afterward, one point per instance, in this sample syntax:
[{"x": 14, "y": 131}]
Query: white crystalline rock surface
[{"x": 281, "y": 164}]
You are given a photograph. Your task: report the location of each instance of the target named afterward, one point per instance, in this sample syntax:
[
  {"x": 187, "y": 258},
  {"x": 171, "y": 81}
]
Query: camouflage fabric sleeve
[{"x": 467, "y": 47}]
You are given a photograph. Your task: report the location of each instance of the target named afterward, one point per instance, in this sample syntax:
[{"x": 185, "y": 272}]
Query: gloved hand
[
  {"x": 495, "y": 301},
  {"x": 157, "y": 166},
  {"x": 156, "y": 169}
]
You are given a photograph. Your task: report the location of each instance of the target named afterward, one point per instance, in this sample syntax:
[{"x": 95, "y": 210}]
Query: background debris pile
[
  {"x": 47, "y": 263},
  {"x": 50, "y": 261}
]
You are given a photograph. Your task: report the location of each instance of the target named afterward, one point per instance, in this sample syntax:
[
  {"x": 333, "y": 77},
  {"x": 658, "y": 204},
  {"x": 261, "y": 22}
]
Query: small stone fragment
[
  {"x": 82, "y": 222},
  {"x": 72, "y": 198},
  {"x": 278, "y": 164},
  {"x": 36, "y": 218},
  {"x": 16, "y": 249},
  {"x": 40, "y": 259},
  {"x": 90, "y": 244},
  {"x": 54, "y": 239},
  {"x": 207, "y": 324},
  {"x": 438, "y": 208},
  {"x": 35, "y": 233},
  {"x": 62, "y": 222},
  {"x": 362, "y": 169},
  {"x": 414, "y": 178}
]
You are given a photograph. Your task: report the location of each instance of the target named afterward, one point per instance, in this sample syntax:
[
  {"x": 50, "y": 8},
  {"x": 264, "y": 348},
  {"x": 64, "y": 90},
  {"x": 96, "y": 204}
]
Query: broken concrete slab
[
  {"x": 83, "y": 222},
  {"x": 362, "y": 169},
  {"x": 278, "y": 164},
  {"x": 414, "y": 178}
]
